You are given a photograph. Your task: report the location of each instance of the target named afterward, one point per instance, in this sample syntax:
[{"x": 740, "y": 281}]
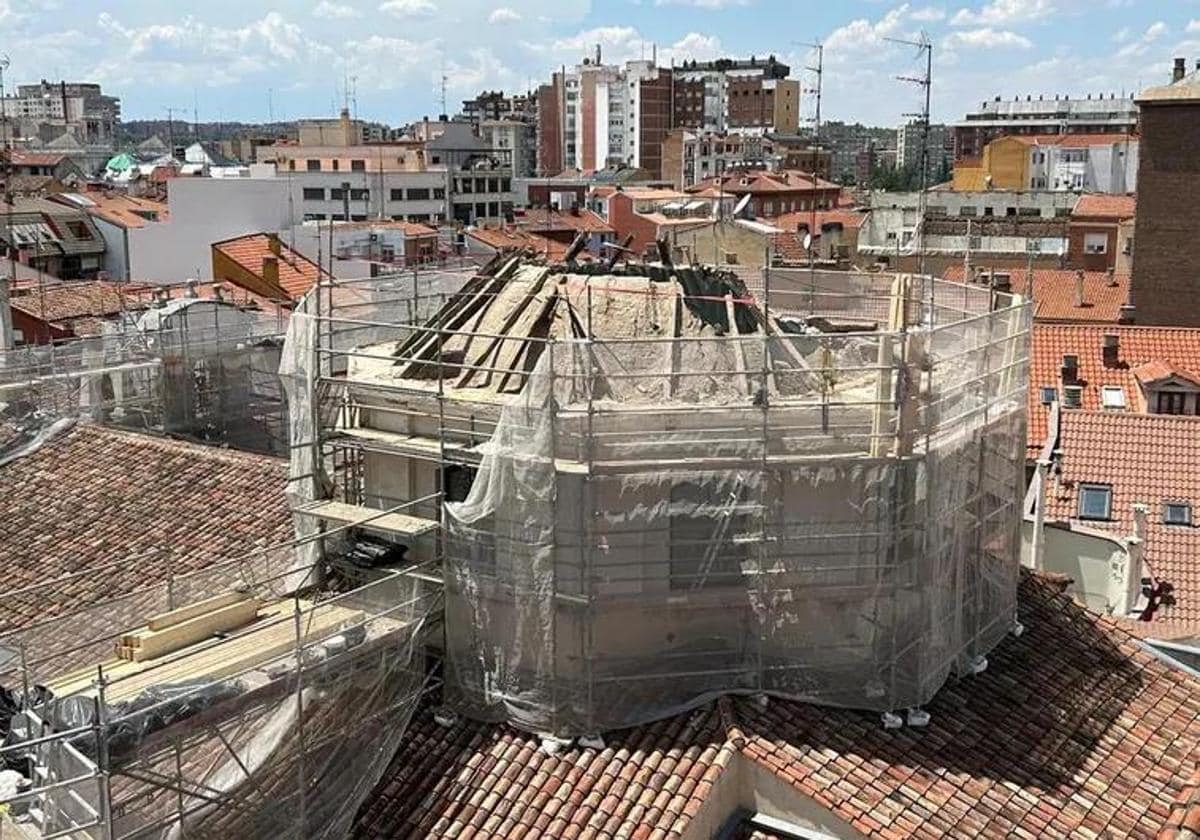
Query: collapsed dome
[{"x": 659, "y": 489}]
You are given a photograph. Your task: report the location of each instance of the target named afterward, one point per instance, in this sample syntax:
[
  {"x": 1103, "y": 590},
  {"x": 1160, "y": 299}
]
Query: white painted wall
[{"x": 204, "y": 211}]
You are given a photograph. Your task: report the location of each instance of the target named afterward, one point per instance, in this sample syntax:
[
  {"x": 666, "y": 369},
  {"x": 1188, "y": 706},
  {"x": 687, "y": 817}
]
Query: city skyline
[{"x": 231, "y": 63}]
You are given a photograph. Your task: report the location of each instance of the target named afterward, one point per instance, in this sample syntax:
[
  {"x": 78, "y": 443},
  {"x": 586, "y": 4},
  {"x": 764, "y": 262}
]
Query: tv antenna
[
  {"x": 924, "y": 47},
  {"x": 819, "y": 71}
]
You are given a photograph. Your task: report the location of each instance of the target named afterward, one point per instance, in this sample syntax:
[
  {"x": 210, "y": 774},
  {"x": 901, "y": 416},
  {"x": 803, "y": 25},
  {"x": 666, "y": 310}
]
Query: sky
[{"x": 249, "y": 61}]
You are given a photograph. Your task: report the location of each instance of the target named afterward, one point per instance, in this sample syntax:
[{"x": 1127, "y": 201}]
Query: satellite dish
[
  {"x": 808, "y": 242},
  {"x": 741, "y": 205}
]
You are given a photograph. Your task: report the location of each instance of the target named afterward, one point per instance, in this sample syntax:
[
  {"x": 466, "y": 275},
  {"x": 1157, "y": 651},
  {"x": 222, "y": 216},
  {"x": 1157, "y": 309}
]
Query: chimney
[
  {"x": 1112, "y": 276},
  {"x": 270, "y": 270},
  {"x": 1079, "y": 289},
  {"x": 1127, "y": 314},
  {"x": 1112, "y": 348},
  {"x": 218, "y": 291},
  {"x": 273, "y": 243},
  {"x": 190, "y": 288},
  {"x": 597, "y": 55},
  {"x": 1180, "y": 69}
]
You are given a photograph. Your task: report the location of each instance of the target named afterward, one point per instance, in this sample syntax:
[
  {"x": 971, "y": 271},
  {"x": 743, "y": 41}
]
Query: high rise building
[
  {"x": 594, "y": 115},
  {"x": 1098, "y": 114},
  {"x": 909, "y": 140}
]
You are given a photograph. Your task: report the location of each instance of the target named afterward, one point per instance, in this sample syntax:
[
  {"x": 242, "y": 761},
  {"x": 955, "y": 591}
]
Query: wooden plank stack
[{"x": 171, "y": 631}]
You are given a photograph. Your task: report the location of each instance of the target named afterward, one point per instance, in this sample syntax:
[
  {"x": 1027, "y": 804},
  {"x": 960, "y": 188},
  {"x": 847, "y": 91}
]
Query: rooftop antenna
[
  {"x": 195, "y": 114},
  {"x": 819, "y": 71},
  {"x": 171, "y": 111},
  {"x": 925, "y": 82},
  {"x": 270, "y": 105},
  {"x": 354, "y": 96},
  {"x": 443, "y": 80}
]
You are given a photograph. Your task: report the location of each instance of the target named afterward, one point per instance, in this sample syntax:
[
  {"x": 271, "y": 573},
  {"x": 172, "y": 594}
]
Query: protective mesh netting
[{"x": 840, "y": 527}]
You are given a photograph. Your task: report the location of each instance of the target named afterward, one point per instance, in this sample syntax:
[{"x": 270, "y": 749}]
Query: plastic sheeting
[{"x": 841, "y": 527}]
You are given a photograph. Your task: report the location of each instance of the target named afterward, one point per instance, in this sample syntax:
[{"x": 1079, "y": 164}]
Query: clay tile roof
[
  {"x": 517, "y": 238},
  {"x": 1148, "y": 459},
  {"x": 1157, "y": 371},
  {"x": 1176, "y": 346},
  {"x": 802, "y": 219},
  {"x": 1073, "y": 730},
  {"x": 580, "y": 221},
  {"x": 92, "y": 495},
  {"x": 1054, "y": 293},
  {"x": 297, "y": 273},
  {"x": 1117, "y": 207},
  {"x": 77, "y": 305},
  {"x": 126, "y": 210},
  {"x": 20, "y": 158}
]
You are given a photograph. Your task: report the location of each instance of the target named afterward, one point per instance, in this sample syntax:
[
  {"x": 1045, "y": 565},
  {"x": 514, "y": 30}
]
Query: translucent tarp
[{"x": 840, "y": 526}]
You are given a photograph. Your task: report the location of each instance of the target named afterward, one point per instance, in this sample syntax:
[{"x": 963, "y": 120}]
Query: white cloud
[
  {"x": 334, "y": 11},
  {"x": 1139, "y": 47},
  {"x": 624, "y": 43},
  {"x": 986, "y": 38},
  {"x": 860, "y": 39},
  {"x": 703, "y": 4},
  {"x": 504, "y": 15},
  {"x": 1193, "y": 26},
  {"x": 1005, "y": 13},
  {"x": 930, "y": 14},
  {"x": 408, "y": 8},
  {"x": 1122, "y": 35}
]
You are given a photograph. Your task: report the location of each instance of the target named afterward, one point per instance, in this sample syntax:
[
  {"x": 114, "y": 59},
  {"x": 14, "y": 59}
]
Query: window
[
  {"x": 439, "y": 192},
  {"x": 1095, "y": 501},
  {"x": 706, "y": 524},
  {"x": 466, "y": 185},
  {"x": 1113, "y": 396},
  {"x": 397, "y": 195},
  {"x": 314, "y": 193},
  {"x": 337, "y": 164},
  {"x": 337, "y": 194},
  {"x": 968, "y": 210},
  {"x": 1171, "y": 402},
  {"x": 314, "y": 217},
  {"x": 1028, "y": 211},
  {"x": 493, "y": 185},
  {"x": 359, "y": 195},
  {"x": 1177, "y": 513},
  {"x": 1072, "y": 396},
  {"x": 1049, "y": 394},
  {"x": 312, "y": 165},
  {"x": 358, "y": 166},
  {"x": 79, "y": 230},
  {"x": 418, "y": 194},
  {"x": 1095, "y": 243}
]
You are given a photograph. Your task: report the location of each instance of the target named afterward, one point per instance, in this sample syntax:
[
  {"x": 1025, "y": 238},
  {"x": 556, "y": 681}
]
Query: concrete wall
[{"x": 203, "y": 211}]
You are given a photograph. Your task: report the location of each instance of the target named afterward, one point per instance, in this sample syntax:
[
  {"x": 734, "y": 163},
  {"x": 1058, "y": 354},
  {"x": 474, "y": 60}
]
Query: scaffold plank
[{"x": 399, "y": 524}]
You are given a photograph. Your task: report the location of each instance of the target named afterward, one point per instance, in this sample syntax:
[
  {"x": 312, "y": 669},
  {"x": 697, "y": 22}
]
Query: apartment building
[
  {"x": 1092, "y": 163},
  {"x": 495, "y": 105},
  {"x": 910, "y": 141},
  {"x": 1100, "y": 114},
  {"x": 595, "y": 115}
]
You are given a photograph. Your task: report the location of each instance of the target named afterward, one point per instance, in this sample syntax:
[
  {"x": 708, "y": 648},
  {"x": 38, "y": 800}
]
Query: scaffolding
[
  {"x": 276, "y": 728},
  {"x": 196, "y": 368},
  {"x": 646, "y": 486}
]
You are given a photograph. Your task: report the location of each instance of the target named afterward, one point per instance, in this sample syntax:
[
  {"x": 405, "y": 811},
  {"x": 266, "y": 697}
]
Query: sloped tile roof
[
  {"x": 1176, "y": 346},
  {"x": 802, "y": 219},
  {"x": 1054, "y": 293},
  {"x": 580, "y": 221},
  {"x": 1096, "y": 206},
  {"x": 1147, "y": 458},
  {"x": 78, "y": 305},
  {"x": 519, "y": 238},
  {"x": 1074, "y": 730},
  {"x": 92, "y": 495},
  {"x": 297, "y": 273}
]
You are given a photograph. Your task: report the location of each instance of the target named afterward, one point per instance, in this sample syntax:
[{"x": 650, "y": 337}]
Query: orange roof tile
[
  {"x": 127, "y": 210},
  {"x": 1096, "y": 206},
  {"x": 1148, "y": 459},
  {"x": 579, "y": 220},
  {"x": 514, "y": 238},
  {"x": 802, "y": 219},
  {"x": 1054, "y": 293},
  {"x": 1073, "y": 730},
  {"x": 297, "y": 273},
  {"x": 77, "y": 305},
  {"x": 1157, "y": 371},
  {"x": 92, "y": 495},
  {"x": 1177, "y": 346}
]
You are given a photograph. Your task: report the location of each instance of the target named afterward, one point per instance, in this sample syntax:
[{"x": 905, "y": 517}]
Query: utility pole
[
  {"x": 817, "y": 70},
  {"x": 925, "y": 83},
  {"x": 171, "y": 111}
]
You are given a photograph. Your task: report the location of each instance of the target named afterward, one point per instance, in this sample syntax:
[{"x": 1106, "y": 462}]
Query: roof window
[{"x": 1095, "y": 501}]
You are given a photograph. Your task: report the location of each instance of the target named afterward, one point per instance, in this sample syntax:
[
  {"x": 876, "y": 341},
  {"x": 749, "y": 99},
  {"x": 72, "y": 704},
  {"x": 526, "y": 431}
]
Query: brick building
[
  {"x": 1165, "y": 273},
  {"x": 1099, "y": 232}
]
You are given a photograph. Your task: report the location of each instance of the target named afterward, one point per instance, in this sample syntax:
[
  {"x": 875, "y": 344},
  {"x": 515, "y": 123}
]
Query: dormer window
[
  {"x": 1095, "y": 501},
  {"x": 1177, "y": 513}
]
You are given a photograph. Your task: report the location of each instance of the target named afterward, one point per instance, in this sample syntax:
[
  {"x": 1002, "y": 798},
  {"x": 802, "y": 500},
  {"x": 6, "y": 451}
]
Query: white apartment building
[{"x": 1101, "y": 163}]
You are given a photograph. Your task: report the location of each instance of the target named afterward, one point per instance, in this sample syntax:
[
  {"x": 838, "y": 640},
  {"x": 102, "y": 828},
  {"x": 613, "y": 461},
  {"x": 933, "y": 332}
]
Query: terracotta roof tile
[
  {"x": 1147, "y": 458},
  {"x": 92, "y": 495},
  {"x": 1176, "y": 346},
  {"x": 1074, "y": 730},
  {"x": 297, "y": 273},
  {"x": 1115, "y": 207},
  {"x": 802, "y": 219},
  {"x": 1054, "y": 293},
  {"x": 581, "y": 220},
  {"x": 77, "y": 303},
  {"x": 518, "y": 238}
]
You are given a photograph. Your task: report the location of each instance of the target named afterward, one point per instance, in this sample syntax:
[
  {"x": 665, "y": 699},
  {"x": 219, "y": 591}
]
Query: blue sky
[{"x": 234, "y": 58}]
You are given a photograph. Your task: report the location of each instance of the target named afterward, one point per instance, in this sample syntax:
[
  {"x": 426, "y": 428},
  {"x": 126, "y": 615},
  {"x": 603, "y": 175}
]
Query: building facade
[
  {"x": 1102, "y": 114},
  {"x": 910, "y": 140}
]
